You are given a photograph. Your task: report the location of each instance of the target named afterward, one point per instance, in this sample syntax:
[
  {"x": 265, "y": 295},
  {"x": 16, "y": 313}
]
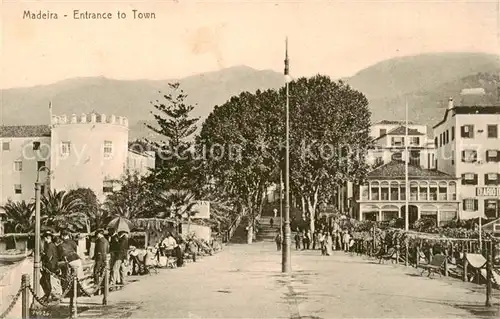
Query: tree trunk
[{"x": 311, "y": 205}]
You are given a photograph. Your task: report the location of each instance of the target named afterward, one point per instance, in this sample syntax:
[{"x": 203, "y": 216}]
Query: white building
[
  {"x": 468, "y": 147},
  {"x": 90, "y": 151}
]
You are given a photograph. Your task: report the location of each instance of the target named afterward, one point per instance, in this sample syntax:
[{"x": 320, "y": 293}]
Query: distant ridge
[{"x": 426, "y": 81}]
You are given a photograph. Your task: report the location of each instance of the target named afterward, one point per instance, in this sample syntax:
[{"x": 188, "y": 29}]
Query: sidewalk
[{"x": 245, "y": 281}]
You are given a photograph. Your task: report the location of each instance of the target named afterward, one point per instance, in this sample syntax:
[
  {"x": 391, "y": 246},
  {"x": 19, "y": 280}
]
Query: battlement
[{"x": 90, "y": 118}]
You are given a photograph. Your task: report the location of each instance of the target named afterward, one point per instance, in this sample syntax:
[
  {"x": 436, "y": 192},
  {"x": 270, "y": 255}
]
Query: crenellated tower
[{"x": 88, "y": 150}]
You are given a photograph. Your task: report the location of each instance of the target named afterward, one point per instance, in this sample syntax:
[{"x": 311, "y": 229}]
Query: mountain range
[{"x": 424, "y": 81}]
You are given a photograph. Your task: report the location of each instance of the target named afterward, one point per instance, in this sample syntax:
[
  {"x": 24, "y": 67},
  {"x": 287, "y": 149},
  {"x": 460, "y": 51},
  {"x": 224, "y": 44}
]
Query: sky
[{"x": 187, "y": 37}]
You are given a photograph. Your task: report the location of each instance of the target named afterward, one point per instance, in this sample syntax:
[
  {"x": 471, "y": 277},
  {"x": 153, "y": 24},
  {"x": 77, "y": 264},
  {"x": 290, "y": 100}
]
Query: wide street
[{"x": 244, "y": 281}]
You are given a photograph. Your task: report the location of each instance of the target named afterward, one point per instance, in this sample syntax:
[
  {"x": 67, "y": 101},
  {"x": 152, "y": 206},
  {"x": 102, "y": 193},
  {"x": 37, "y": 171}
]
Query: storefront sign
[{"x": 488, "y": 191}]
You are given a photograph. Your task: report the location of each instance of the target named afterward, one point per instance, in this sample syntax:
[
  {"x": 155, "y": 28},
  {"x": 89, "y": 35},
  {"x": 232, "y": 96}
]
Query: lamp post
[
  {"x": 36, "y": 263},
  {"x": 281, "y": 206},
  {"x": 286, "y": 265},
  {"x": 407, "y": 160}
]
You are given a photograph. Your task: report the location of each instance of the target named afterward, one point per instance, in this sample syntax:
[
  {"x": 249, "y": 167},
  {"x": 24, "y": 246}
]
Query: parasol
[{"x": 120, "y": 224}]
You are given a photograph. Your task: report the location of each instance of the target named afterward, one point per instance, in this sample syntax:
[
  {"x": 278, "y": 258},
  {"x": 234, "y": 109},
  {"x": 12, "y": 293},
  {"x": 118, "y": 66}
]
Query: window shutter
[
  {"x": 476, "y": 204},
  {"x": 463, "y": 180},
  {"x": 486, "y": 180},
  {"x": 475, "y": 179},
  {"x": 463, "y": 204},
  {"x": 498, "y": 155},
  {"x": 463, "y": 156},
  {"x": 462, "y": 131}
]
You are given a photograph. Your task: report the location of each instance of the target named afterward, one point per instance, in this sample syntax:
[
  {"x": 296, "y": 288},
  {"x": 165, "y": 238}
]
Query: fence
[
  {"x": 415, "y": 249},
  {"x": 71, "y": 287},
  {"x": 234, "y": 225}
]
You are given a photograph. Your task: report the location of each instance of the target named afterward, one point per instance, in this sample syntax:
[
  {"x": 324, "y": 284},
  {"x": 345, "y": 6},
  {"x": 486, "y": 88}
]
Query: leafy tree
[
  {"x": 329, "y": 130},
  {"x": 239, "y": 140},
  {"x": 20, "y": 217},
  {"x": 132, "y": 199},
  {"x": 61, "y": 209}
]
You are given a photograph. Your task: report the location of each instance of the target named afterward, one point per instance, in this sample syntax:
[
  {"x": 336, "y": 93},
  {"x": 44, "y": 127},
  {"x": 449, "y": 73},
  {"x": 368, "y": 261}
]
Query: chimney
[{"x": 450, "y": 103}]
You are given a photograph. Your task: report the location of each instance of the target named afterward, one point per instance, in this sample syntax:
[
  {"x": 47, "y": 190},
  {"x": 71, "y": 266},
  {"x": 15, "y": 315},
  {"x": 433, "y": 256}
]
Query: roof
[
  {"x": 393, "y": 122},
  {"x": 396, "y": 170},
  {"x": 401, "y": 130},
  {"x": 25, "y": 131},
  {"x": 467, "y": 109}
]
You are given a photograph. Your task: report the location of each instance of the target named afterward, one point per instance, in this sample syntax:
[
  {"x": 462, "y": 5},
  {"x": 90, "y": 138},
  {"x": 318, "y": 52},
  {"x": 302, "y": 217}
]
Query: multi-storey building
[
  {"x": 431, "y": 193},
  {"x": 391, "y": 138},
  {"x": 468, "y": 147},
  {"x": 89, "y": 151}
]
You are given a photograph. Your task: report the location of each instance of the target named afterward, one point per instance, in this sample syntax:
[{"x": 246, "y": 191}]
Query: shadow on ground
[{"x": 118, "y": 310}]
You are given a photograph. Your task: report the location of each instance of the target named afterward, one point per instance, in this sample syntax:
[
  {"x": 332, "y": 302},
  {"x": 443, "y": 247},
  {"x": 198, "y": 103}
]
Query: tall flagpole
[
  {"x": 281, "y": 206},
  {"x": 286, "y": 264},
  {"x": 407, "y": 159}
]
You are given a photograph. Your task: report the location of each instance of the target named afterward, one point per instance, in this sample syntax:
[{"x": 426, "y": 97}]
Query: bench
[
  {"x": 434, "y": 266},
  {"x": 386, "y": 256}
]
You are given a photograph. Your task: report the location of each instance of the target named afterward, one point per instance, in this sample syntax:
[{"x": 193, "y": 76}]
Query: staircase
[{"x": 266, "y": 232}]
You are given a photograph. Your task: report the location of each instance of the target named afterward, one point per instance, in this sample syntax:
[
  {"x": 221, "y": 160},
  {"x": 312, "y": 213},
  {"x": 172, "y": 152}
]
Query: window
[
  {"x": 452, "y": 189},
  {"x": 453, "y": 133},
  {"x": 447, "y": 137},
  {"x": 467, "y": 131},
  {"x": 65, "y": 148},
  {"x": 382, "y": 132},
  {"x": 491, "y": 207},
  {"x": 375, "y": 191},
  {"x": 402, "y": 192},
  {"x": 470, "y": 204},
  {"x": 364, "y": 192},
  {"x": 379, "y": 161},
  {"x": 469, "y": 156},
  {"x": 415, "y": 158},
  {"x": 436, "y": 141},
  {"x": 433, "y": 191},
  {"x": 443, "y": 191},
  {"x": 384, "y": 191},
  {"x": 469, "y": 179},
  {"x": 491, "y": 179},
  {"x": 440, "y": 140},
  {"x": 415, "y": 140},
  {"x": 36, "y": 146},
  {"x": 6, "y": 146},
  {"x": 452, "y": 157},
  {"x": 493, "y": 131},
  {"x": 413, "y": 191},
  {"x": 39, "y": 165},
  {"x": 107, "y": 187},
  {"x": 397, "y": 141},
  {"x": 394, "y": 191},
  {"x": 492, "y": 156},
  {"x": 108, "y": 148},
  {"x": 18, "y": 189},
  {"x": 18, "y": 166},
  {"x": 422, "y": 192}
]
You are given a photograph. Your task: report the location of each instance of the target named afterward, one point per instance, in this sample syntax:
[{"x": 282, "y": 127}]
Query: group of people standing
[
  {"x": 325, "y": 240},
  {"x": 60, "y": 258}
]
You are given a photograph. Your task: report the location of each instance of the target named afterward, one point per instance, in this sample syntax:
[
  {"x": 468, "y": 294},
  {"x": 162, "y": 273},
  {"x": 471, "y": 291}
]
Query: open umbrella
[{"x": 120, "y": 224}]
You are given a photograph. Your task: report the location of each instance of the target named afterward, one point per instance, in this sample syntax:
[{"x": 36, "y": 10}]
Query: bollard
[
  {"x": 466, "y": 265},
  {"x": 106, "y": 284},
  {"x": 430, "y": 254},
  {"x": 407, "y": 253},
  {"x": 73, "y": 306},
  {"x": 25, "y": 284},
  {"x": 417, "y": 258},
  {"x": 446, "y": 266},
  {"x": 397, "y": 251},
  {"x": 488, "y": 281}
]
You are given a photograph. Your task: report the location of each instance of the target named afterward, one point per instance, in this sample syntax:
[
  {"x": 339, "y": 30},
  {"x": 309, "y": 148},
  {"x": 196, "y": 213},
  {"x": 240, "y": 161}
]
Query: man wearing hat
[
  {"x": 49, "y": 262},
  {"x": 101, "y": 251}
]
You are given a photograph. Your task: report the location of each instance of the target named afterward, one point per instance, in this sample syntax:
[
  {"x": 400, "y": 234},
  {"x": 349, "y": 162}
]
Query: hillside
[
  {"x": 129, "y": 98},
  {"x": 425, "y": 81}
]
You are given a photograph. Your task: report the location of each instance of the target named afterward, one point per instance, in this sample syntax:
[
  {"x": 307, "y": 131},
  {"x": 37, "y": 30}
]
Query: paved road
[{"x": 244, "y": 281}]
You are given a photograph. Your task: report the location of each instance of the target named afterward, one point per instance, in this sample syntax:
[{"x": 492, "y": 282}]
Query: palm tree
[
  {"x": 20, "y": 216},
  {"x": 90, "y": 206},
  {"x": 176, "y": 204},
  {"x": 63, "y": 210}
]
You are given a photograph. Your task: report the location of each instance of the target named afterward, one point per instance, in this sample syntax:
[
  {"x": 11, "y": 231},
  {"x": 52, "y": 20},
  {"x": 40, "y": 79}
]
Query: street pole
[
  {"x": 281, "y": 205},
  {"x": 36, "y": 263},
  {"x": 407, "y": 159},
  {"x": 286, "y": 265}
]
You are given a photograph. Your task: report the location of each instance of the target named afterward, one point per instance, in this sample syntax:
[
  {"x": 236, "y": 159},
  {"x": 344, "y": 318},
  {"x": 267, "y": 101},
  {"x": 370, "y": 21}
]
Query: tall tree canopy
[{"x": 244, "y": 142}]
